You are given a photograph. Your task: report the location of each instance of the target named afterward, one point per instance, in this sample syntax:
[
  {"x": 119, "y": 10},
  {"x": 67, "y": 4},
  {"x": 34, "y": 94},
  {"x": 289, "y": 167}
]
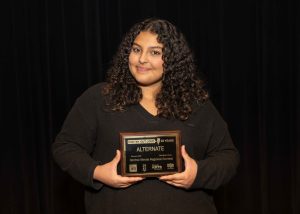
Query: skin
[
  {"x": 146, "y": 66},
  {"x": 186, "y": 178},
  {"x": 107, "y": 174}
]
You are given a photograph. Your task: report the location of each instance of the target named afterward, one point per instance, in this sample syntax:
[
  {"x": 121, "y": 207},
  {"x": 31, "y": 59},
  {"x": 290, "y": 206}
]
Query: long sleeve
[
  {"x": 222, "y": 158},
  {"x": 74, "y": 144}
]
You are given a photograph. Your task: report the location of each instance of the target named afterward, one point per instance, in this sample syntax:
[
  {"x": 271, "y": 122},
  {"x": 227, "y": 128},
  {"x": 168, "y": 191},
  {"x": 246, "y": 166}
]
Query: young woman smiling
[{"x": 152, "y": 85}]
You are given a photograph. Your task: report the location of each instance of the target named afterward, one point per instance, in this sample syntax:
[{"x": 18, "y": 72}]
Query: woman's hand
[
  {"x": 186, "y": 178},
  {"x": 107, "y": 174}
]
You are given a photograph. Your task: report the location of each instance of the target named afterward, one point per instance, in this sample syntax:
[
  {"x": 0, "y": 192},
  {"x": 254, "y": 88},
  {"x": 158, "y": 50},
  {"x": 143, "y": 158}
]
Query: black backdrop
[{"x": 52, "y": 50}]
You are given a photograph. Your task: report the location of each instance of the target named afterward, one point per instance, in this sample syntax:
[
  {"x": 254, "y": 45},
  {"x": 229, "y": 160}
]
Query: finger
[
  {"x": 123, "y": 182},
  {"x": 184, "y": 154},
  {"x": 174, "y": 184},
  {"x": 124, "y": 185},
  {"x": 130, "y": 180},
  {"x": 177, "y": 182},
  {"x": 134, "y": 179},
  {"x": 117, "y": 158},
  {"x": 176, "y": 176}
]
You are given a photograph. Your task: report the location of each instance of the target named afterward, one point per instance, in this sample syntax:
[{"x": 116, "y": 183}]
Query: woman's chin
[{"x": 148, "y": 83}]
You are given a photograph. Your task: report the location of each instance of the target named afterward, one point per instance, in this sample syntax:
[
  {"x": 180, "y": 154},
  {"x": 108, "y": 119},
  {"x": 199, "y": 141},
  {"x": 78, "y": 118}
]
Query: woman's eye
[
  {"x": 155, "y": 52},
  {"x": 135, "y": 50}
]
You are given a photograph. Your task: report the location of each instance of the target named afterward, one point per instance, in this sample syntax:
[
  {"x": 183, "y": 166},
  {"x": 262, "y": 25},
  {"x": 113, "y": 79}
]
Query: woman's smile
[{"x": 142, "y": 69}]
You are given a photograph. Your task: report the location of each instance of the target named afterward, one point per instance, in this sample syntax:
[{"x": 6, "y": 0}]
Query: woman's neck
[
  {"x": 149, "y": 92},
  {"x": 148, "y": 100}
]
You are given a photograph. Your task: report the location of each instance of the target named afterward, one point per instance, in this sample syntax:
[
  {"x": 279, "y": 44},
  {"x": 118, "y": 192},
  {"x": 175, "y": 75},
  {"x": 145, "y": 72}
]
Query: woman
[{"x": 151, "y": 86}]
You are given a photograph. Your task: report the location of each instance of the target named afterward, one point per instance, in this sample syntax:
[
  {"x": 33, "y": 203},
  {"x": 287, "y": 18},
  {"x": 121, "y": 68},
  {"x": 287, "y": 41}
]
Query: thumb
[
  {"x": 184, "y": 154},
  {"x": 117, "y": 158}
]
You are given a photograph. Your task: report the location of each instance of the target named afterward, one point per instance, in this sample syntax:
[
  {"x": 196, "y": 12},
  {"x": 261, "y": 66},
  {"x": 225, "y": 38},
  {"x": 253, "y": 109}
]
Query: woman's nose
[{"x": 143, "y": 58}]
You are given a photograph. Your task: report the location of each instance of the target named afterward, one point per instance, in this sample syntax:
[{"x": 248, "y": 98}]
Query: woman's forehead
[{"x": 147, "y": 38}]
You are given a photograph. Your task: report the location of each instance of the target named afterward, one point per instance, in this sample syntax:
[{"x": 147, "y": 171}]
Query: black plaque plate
[{"x": 150, "y": 154}]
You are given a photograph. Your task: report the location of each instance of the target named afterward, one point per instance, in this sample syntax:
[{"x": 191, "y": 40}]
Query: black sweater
[{"x": 90, "y": 136}]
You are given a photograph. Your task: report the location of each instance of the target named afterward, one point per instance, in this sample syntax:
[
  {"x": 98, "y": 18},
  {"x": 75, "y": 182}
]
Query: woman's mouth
[{"x": 142, "y": 69}]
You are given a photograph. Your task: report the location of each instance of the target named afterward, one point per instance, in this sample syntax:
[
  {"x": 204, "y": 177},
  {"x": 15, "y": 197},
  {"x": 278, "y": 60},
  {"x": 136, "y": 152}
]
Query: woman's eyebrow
[
  {"x": 156, "y": 47},
  {"x": 148, "y": 47}
]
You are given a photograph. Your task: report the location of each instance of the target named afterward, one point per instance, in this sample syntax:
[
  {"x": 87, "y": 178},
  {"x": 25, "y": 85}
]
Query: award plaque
[{"x": 150, "y": 154}]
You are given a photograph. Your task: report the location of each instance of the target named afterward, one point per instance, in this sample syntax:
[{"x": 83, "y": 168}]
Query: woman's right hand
[{"x": 107, "y": 174}]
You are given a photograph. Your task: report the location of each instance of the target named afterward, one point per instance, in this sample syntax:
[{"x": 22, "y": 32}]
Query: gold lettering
[{"x": 150, "y": 148}]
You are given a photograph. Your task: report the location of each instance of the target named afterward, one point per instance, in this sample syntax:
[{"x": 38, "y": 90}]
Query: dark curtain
[{"x": 52, "y": 50}]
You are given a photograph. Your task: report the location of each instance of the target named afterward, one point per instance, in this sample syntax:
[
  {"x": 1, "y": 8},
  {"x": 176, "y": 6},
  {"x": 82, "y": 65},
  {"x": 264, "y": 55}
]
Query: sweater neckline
[{"x": 144, "y": 113}]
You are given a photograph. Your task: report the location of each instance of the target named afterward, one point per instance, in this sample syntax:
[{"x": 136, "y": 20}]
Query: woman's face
[{"x": 145, "y": 59}]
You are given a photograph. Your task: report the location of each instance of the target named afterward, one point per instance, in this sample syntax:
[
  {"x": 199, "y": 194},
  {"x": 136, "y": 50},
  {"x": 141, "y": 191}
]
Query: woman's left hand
[{"x": 186, "y": 178}]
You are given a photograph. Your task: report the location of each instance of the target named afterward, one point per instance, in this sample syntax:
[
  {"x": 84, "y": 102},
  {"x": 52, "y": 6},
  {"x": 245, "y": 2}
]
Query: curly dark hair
[{"x": 181, "y": 87}]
